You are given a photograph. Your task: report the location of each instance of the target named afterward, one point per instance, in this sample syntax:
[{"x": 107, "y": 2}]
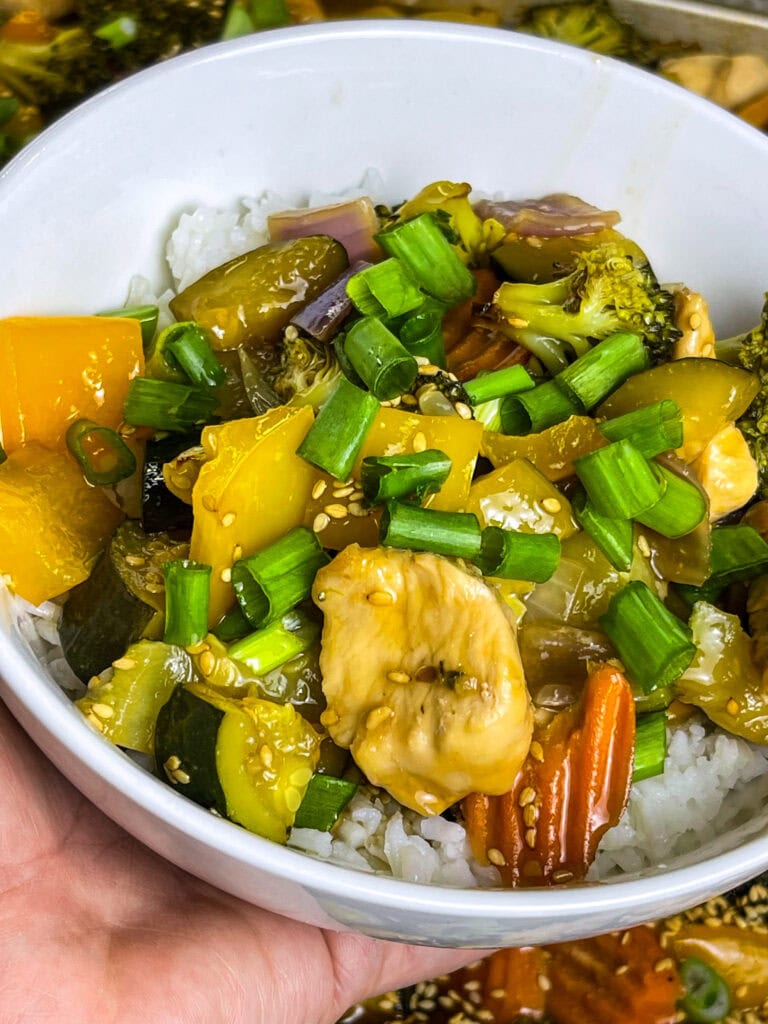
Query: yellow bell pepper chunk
[
  {"x": 53, "y": 525},
  {"x": 59, "y": 369},
  {"x": 253, "y": 489},
  {"x": 552, "y": 451}
]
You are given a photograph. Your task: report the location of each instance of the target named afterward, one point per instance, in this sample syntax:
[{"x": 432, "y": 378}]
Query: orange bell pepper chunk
[{"x": 58, "y": 369}]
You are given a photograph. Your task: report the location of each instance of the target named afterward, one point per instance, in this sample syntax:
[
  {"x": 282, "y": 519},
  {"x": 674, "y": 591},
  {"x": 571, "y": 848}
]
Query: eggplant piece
[
  {"x": 121, "y": 602},
  {"x": 161, "y": 510}
]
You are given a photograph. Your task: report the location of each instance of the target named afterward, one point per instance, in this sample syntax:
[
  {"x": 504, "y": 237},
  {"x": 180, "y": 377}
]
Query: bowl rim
[{"x": 42, "y": 699}]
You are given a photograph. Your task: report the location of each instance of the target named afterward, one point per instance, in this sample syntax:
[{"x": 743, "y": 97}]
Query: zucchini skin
[
  {"x": 162, "y": 511},
  {"x": 187, "y": 729}
]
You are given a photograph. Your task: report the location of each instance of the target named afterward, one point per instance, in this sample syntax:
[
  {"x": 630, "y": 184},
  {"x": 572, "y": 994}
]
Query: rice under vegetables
[{"x": 712, "y": 781}]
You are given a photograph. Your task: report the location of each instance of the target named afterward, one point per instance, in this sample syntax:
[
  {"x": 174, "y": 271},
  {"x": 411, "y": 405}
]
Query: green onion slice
[
  {"x": 430, "y": 259},
  {"x": 187, "y": 594},
  {"x": 118, "y": 32},
  {"x": 167, "y": 405},
  {"x": 384, "y": 477},
  {"x": 325, "y": 799},
  {"x": 530, "y": 412},
  {"x": 654, "y": 645},
  {"x": 614, "y": 537},
  {"x": 707, "y": 996},
  {"x": 385, "y": 289},
  {"x": 386, "y": 367},
  {"x": 422, "y": 335},
  {"x": 188, "y": 344},
  {"x": 652, "y": 430},
  {"x": 680, "y": 509},
  {"x": 498, "y": 383},
  {"x": 510, "y": 555},
  {"x": 591, "y": 377},
  {"x": 619, "y": 481},
  {"x": 146, "y": 315},
  {"x": 650, "y": 746},
  {"x": 103, "y": 455},
  {"x": 272, "y": 646},
  {"x": 424, "y": 529},
  {"x": 738, "y": 554},
  {"x": 334, "y": 440},
  {"x": 276, "y": 579},
  {"x": 232, "y": 626}
]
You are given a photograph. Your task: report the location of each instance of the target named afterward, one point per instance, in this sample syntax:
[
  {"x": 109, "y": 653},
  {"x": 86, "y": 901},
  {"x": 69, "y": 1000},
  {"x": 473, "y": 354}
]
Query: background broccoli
[
  {"x": 607, "y": 291},
  {"x": 592, "y": 26}
]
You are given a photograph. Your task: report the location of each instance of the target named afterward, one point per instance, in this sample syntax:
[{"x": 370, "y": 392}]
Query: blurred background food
[{"x": 53, "y": 53}]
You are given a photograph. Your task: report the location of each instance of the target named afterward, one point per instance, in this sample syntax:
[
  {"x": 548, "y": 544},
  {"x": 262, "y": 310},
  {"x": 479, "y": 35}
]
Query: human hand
[{"x": 94, "y": 927}]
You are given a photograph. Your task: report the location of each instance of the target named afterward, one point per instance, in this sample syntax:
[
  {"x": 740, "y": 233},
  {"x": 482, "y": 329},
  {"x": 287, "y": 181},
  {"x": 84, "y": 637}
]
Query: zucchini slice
[
  {"x": 121, "y": 602},
  {"x": 249, "y": 760},
  {"x": 161, "y": 509}
]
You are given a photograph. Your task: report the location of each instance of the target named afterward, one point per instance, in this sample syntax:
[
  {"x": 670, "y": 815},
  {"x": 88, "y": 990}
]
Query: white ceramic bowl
[{"x": 89, "y": 203}]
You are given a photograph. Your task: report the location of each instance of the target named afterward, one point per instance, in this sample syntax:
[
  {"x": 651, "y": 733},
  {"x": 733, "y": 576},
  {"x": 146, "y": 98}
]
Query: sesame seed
[
  {"x": 357, "y": 495},
  {"x": 125, "y": 663},
  {"x": 398, "y": 677},
  {"x": 419, "y": 442},
  {"x": 356, "y": 509},
  {"x": 378, "y": 716},
  {"x": 694, "y": 321},
  {"x": 484, "y": 1015},
  {"x": 740, "y": 991},
  {"x": 527, "y": 796},
  {"x": 665, "y": 964},
  {"x": 344, "y": 492},
  {"x": 226, "y": 575},
  {"x": 228, "y": 519},
  {"x": 329, "y": 717},
  {"x": 530, "y": 814},
  {"x": 625, "y": 939},
  {"x": 95, "y": 722},
  {"x": 198, "y": 648},
  {"x": 209, "y": 502},
  {"x": 237, "y": 553},
  {"x": 319, "y": 489},
  {"x": 622, "y": 969},
  {"x": 551, "y": 505},
  {"x": 173, "y": 763},
  {"x": 517, "y": 321},
  {"x": 446, "y": 1002},
  {"x": 498, "y": 993},
  {"x": 181, "y": 776},
  {"x": 429, "y": 370},
  {"x": 496, "y": 857},
  {"x": 530, "y": 837},
  {"x": 207, "y": 662},
  {"x": 643, "y": 546},
  {"x": 562, "y": 875},
  {"x": 537, "y": 751},
  {"x": 708, "y": 351},
  {"x": 266, "y": 755},
  {"x": 472, "y": 986},
  {"x": 321, "y": 521},
  {"x": 380, "y": 598},
  {"x": 544, "y": 983},
  {"x": 135, "y": 560},
  {"x": 463, "y": 410},
  {"x": 342, "y": 483},
  {"x": 427, "y": 1004},
  {"x": 154, "y": 588},
  {"x": 732, "y": 707},
  {"x": 410, "y": 400},
  {"x": 336, "y": 511},
  {"x": 103, "y": 710}
]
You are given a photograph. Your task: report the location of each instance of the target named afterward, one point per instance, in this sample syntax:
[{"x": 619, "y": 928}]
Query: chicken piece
[
  {"x": 422, "y": 675},
  {"x": 692, "y": 317},
  {"x": 727, "y": 472}
]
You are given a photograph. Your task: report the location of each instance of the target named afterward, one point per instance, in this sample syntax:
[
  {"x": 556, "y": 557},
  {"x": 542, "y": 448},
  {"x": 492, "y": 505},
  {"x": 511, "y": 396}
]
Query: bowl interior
[{"x": 91, "y": 202}]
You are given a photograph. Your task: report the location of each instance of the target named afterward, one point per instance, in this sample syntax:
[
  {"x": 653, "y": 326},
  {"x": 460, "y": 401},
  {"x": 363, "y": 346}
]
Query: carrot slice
[{"x": 571, "y": 789}]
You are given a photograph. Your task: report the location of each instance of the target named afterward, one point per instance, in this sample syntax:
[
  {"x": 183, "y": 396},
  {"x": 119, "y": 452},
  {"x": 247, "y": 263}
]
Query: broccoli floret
[
  {"x": 54, "y": 73},
  {"x": 308, "y": 373},
  {"x": 750, "y": 350},
  {"x": 592, "y": 26},
  {"x": 605, "y": 292},
  {"x": 159, "y": 30}
]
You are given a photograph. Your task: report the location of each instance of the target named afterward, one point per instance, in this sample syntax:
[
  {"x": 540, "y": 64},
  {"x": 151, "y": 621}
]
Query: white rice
[{"x": 712, "y": 781}]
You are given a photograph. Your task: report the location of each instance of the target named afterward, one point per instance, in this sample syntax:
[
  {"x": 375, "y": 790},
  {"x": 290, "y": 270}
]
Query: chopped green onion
[
  {"x": 386, "y": 367},
  {"x": 325, "y": 799},
  {"x": 652, "y": 430},
  {"x": 272, "y": 646},
  {"x": 614, "y": 537},
  {"x": 532, "y": 411},
  {"x": 657, "y": 700},
  {"x": 9, "y": 107},
  {"x": 593, "y": 376},
  {"x": 707, "y": 998},
  {"x": 385, "y": 289},
  {"x": 680, "y": 509},
  {"x": 118, "y": 32},
  {"x": 232, "y": 626},
  {"x": 738, "y": 554},
  {"x": 167, "y": 405},
  {"x": 146, "y": 315},
  {"x": 498, "y": 383},
  {"x": 650, "y": 746},
  {"x": 654, "y": 645},
  {"x": 237, "y": 22},
  {"x": 188, "y": 344},
  {"x": 489, "y": 414},
  {"x": 187, "y": 594},
  {"x": 334, "y": 440},
  {"x": 103, "y": 455},
  {"x": 511, "y": 555},
  {"x": 430, "y": 259},
  {"x": 426, "y": 529},
  {"x": 276, "y": 579},
  {"x": 619, "y": 481},
  {"x": 422, "y": 335},
  {"x": 399, "y": 476}
]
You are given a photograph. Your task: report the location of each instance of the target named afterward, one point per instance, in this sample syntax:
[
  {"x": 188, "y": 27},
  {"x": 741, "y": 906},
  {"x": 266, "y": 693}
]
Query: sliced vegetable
[
  {"x": 147, "y": 317},
  {"x": 707, "y": 998},
  {"x": 279, "y": 642},
  {"x": 532, "y": 411},
  {"x": 124, "y": 705},
  {"x": 614, "y": 537},
  {"x": 650, "y": 746},
  {"x": 161, "y": 508},
  {"x": 510, "y": 555},
  {"x": 619, "y": 481},
  {"x": 322, "y": 318},
  {"x": 595, "y": 374},
  {"x": 335, "y": 439},
  {"x": 166, "y": 405},
  {"x": 653, "y": 429},
  {"x": 739, "y": 956},
  {"x": 422, "y": 335},
  {"x": 188, "y": 347},
  {"x": 354, "y": 223},
  {"x": 424, "y": 250},
  {"x": 498, "y": 383},
  {"x": 402, "y": 476},
  {"x": 385, "y": 366},
  {"x": 552, "y": 452},
  {"x": 103, "y": 455},
  {"x": 121, "y": 602},
  {"x": 422, "y": 529},
  {"x": 187, "y": 594},
  {"x": 681, "y": 508},
  {"x": 738, "y": 554},
  {"x": 385, "y": 289},
  {"x": 325, "y": 799},
  {"x": 250, "y": 760}
]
